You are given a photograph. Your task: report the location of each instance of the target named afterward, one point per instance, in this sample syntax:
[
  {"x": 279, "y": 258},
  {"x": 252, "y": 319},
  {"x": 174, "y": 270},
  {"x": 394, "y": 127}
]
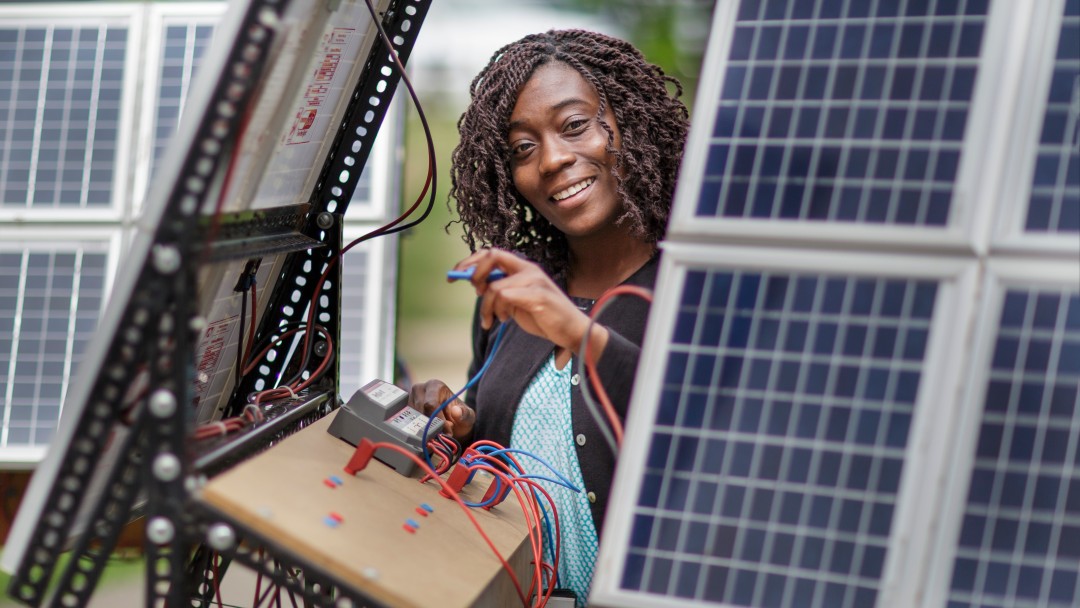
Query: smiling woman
[{"x": 563, "y": 180}]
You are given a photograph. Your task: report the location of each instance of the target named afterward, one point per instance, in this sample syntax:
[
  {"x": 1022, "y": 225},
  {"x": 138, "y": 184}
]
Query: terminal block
[{"x": 379, "y": 412}]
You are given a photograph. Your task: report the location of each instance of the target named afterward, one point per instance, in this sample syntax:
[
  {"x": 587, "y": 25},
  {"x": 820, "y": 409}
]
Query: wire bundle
[
  {"x": 509, "y": 475},
  {"x": 252, "y": 414},
  {"x": 612, "y": 431}
]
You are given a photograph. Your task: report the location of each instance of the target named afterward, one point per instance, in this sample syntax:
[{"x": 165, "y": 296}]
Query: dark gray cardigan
[{"x": 497, "y": 394}]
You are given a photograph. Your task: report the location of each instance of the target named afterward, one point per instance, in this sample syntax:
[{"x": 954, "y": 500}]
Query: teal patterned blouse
[{"x": 542, "y": 426}]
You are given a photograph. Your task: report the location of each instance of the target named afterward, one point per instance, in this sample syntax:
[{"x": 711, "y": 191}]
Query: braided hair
[{"x": 652, "y": 123}]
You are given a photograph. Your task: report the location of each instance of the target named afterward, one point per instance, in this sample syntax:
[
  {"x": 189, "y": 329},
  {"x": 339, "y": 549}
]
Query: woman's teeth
[{"x": 572, "y": 190}]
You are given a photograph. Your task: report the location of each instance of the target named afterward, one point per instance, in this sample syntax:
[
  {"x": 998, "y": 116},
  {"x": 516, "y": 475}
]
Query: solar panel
[
  {"x": 182, "y": 46},
  {"x": 60, "y": 112},
  {"x": 1054, "y": 206},
  {"x": 1019, "y": 537},
  {"x": 804, "y": 428},
  {"x": 773, "y": 468},
  {"x": 51, "y": 296},
  {"x": 75, "y": 56},
  {"x": 842, "y": 112}
]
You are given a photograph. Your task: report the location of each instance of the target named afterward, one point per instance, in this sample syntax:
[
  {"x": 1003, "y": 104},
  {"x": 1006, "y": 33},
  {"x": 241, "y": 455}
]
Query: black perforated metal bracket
[
  {"x": 329, "y": 201},
  {"x": 152, "y": 328},
  {"x": 298, "y": 577}
]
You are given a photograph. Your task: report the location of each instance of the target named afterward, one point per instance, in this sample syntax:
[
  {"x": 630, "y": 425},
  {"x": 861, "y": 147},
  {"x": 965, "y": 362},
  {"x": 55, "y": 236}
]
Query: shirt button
[
  {"x": 592, "y": 496},
  {"x": 580, "y": 439},
  {"x": 575, "y": 380}
]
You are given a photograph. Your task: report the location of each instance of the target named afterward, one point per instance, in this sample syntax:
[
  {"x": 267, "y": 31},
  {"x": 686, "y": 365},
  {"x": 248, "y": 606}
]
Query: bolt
[
  {"x": 220, "y": 537},
  {"x": 159, "y": 530},
  {"x": 321, "y": 347},
  {"x": 325, "y": 220},
  {"x": 166, "y": 467},
  {"x": 166, "y": 259},
  {"x": 162, "y": 403}
]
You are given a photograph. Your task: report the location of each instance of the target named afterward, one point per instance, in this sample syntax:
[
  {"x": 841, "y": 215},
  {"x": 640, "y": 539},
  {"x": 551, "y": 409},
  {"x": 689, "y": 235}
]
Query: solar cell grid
[
  {"x": 60, "y": 94},
  {"x": 1054, "y": 205},
  {"x": 49, "y": 306},
  {"x": 355, "y": 270},
  {"x": 1019, "y": 541},
  {"x": 843, "y": 111},
  {"x": 773, "y": 470},
  {"x": 182, "y": 46}
]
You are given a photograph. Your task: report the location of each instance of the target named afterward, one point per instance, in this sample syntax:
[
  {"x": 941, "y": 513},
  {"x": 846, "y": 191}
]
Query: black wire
[
  {"x": 423, "y": 120},
  {"x": 240, "y": 338},
  {"x": 431, "y": 159}
]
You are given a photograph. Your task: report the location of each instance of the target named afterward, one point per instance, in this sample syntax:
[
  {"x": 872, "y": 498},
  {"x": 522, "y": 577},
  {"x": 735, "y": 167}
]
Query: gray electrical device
[{"x": 379, "y": 411}]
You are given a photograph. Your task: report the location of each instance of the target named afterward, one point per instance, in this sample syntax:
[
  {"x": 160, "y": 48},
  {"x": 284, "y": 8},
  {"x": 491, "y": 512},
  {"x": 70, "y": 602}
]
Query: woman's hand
[
  {"x": 529, "y": 297},
  {"x": 428, "y": 396}
]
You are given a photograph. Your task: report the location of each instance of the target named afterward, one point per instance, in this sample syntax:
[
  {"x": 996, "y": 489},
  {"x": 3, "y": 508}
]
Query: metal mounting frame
[{"x": 155, "y": 338}]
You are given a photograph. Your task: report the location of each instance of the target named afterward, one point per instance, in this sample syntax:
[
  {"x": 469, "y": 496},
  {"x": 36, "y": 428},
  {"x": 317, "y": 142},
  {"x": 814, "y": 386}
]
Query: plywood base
[{"x": 282, "y": 494}]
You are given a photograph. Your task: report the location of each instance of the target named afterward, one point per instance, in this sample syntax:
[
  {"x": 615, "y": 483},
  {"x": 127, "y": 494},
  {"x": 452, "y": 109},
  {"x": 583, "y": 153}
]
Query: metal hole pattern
[
  {"x": 334, "y": 190},
  {"x": 295, "y": 577}
]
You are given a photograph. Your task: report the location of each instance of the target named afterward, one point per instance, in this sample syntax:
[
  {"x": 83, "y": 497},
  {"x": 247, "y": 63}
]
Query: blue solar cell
[
  {"x": 49, "y": 292},
  {"x": 1054, "y": 204},
  {"x": 182, "y": 49},
  {"x": 767, "y": 471},
  {"x": 805, "y": 83},
  {"x": 1022, "y": 473},
  {"x": 62, "y": 151}
]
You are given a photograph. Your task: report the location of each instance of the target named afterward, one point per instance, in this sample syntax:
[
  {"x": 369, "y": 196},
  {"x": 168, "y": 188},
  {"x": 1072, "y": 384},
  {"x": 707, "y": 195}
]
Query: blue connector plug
[{"x": 465, "y": 275}]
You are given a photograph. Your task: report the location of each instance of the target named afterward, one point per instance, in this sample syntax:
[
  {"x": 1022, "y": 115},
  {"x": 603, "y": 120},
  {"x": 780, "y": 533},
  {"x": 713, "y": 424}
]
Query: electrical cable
[
  {"x": 429, "y": 189},
  {"x": 587, "y": 368},
  {"x": 468, "y": 385},
  {"x": 468, "y": 512},
  {"x": 240, "y": 337}
]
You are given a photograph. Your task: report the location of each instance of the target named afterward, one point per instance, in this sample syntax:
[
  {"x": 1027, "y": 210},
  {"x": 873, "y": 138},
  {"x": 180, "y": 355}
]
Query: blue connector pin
[{"x": 465, "y": 275}]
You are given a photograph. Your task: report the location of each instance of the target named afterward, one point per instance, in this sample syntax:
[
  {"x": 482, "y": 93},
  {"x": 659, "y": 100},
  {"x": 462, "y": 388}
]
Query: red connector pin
[
  {"x": 503, "y": 489},
  {"x": 361, "y": 457}
]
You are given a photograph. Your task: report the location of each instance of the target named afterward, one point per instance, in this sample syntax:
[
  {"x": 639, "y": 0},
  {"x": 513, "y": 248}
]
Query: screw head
[
  {"x": 162, "y": 403},
  {"x": 160, "y": 530},
  {"x": 220, "y": 537},
  {"x": 166, "y": 259},
  {"x": 325, "y": 220},
  {"x": 166, "y": 467}
]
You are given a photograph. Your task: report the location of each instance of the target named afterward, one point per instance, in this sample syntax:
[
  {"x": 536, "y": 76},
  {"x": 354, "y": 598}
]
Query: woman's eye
[
  {"x": 577, "y": 124},
  {"x": 521, "y": 148}
]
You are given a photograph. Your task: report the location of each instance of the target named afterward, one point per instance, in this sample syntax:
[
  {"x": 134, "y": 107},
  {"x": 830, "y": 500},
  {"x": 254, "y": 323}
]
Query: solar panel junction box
[{"x": 379, "y": 411}]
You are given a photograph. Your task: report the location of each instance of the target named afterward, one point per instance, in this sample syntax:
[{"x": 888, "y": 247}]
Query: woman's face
[{"x": 558, "y": 155}]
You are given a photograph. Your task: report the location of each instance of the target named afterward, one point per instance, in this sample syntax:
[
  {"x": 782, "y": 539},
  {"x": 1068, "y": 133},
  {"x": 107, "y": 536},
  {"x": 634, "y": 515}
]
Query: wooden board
[{"x": 281, "y": 494}]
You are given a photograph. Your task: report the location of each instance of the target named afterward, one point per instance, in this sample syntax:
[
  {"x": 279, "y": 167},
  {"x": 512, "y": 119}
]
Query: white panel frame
[
  {"x": 943, "y": 363},
  {"x": 959, "y": 457},
  {"x": 130, "y": 16},
  {"x": 958, "y": 235}
]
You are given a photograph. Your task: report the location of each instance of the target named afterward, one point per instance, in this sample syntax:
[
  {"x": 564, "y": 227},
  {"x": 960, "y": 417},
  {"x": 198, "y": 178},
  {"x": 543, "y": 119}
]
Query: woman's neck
[{"x": 596, "y": 268}]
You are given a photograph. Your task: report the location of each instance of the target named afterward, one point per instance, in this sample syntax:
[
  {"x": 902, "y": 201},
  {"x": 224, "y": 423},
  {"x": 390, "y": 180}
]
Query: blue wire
[
  {"x": 547, "y": 532},
  {"x": 563, "y": 480},
  {"x": 468, "y": 385}
]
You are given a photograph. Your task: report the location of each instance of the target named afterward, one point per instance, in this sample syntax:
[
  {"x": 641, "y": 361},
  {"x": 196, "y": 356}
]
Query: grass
[{"x": 121, "y": 568}]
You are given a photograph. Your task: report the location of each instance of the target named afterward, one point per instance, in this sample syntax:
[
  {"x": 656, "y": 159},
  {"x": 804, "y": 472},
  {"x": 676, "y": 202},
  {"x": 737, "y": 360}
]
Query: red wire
[
  {"x": 538, "y": 553},
  {"x": 590, "y": 365},
  {"x": 558, "y": 538},
  {"x": 531, "y": 523},
  {"x": 423, "y": 465},
  {"x": 217, "y": 583}
]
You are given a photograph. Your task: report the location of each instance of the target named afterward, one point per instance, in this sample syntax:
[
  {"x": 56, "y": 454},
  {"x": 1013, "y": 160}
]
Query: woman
[{"x": 563, "y": 179}]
